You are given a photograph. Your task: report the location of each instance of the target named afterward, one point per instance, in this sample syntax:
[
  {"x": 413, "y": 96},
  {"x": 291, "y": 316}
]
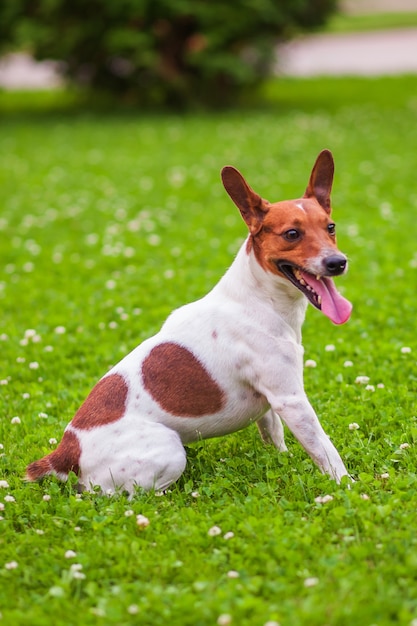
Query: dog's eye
[
  {"x": 292, "y": 235},
  {"x": 331, "y": 229}
]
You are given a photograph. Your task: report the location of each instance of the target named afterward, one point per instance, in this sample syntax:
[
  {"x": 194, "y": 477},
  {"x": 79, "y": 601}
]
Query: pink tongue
[{"x": 333, "y": 305}]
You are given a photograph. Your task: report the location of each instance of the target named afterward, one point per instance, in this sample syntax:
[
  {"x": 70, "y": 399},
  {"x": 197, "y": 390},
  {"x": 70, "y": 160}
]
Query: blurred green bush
[{"x": 160, "y": 52}]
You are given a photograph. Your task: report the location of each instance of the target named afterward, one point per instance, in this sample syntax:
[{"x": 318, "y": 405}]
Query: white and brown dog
[{"x": 217, "y": 365}]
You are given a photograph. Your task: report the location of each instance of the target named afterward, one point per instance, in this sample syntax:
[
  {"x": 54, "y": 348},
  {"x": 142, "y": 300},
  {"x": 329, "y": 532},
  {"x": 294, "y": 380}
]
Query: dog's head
[{"x": 296, "y": 239}]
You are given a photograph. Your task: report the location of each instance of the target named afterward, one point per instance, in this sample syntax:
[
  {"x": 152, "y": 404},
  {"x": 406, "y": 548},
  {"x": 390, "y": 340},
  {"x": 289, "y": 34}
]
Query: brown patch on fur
[
  {"x": 65, "y": 459},
  {"x": 179, "y": 383},
  {"x": 105, "y": 404}
]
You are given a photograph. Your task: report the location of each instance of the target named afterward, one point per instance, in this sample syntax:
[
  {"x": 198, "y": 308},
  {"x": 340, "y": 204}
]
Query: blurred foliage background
[{"x": 160, "y": 53}]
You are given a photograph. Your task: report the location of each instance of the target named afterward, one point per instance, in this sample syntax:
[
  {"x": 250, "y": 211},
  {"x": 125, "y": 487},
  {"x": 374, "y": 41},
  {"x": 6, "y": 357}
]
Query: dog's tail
[{"x": 60, "y": 462}]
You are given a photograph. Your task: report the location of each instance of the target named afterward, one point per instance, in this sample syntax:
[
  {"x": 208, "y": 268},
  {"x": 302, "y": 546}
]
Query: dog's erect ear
[
  {"x": 321, "y": 179},
  {"x": 252, "y": 207}
]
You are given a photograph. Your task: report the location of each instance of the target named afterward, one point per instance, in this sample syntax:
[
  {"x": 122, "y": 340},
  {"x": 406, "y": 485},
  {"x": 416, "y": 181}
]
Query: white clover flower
[
  {"x": 70, "y": 554},
  {"x": 111, "y": 284},
  {"x": 76, "y": 567},
  {"x": 79, "y": 575},
  {"x": 330, "y": 348},
  {"x": 364, "y": 496},
  {"x": 154, "y": 240},
  {"x": 405, "y": 350},
  {"x": 142, "y": 521},
  {"x": 362, "y": 380},
  {"x": 323, "y": 499},
  {"x": 404, "y": 445},
  {"x": 34, "y": 365},
  {"x": 129, "y": 513},
  {"x": 224, "y": 620},
  {"x": 1, "y": 506},
  {"x": 229, "y": 535},
  {"x": 15, "y": 420},
  {"x": 214, "y": 531},
  {"x": 380, "y": 386},
  {"x": 310, "y": 363},
  {"x": 60, "y": 330},
  {"x": 20, "y": 359},
  {"x": 4, "y": 381},
  {"x": 25, "y": 396},
  {"x": 43, "y": 415},
  {"x": 4, "y": 484},
  {"x": 9, "y": 498},
  {"x": 195, "y": 494},
  {"x": 48, "y": 349},
  {"x": 384, "y": 476},
  {"x": 52, "y": 441},
  {"x": 233, "y": 574},
  {"x": 370, "y": 388},
  {"x": 311, "y": 582},
  {"x": 272, "y": 623},
  {"x": 11, "y": 565},
  {"x": 133, "y": 609},
  {"x": 348, "y": 364},
  {"x": 38, "y": 531},
  {"x": 354, "y": 426},
  {"x": 46, "y": 497}
]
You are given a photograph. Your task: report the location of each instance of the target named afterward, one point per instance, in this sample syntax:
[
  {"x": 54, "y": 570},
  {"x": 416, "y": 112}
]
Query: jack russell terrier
[{"x": 218, "y": 364}]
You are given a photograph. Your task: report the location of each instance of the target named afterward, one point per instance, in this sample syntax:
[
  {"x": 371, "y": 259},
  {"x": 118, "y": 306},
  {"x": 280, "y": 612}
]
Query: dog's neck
[{"x": 247, "y": 282}]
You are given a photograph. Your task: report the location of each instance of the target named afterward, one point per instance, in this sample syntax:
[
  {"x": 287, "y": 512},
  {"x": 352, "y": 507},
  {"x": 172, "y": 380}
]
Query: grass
[
  {"x": 109, "y": 221},
  {"x": 346, "y": 23}
]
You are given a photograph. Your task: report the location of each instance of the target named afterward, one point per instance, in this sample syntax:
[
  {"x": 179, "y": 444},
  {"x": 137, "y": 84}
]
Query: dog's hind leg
[
  {"x": 271, "y": 430},
  {"x": 142, "y": 454}
]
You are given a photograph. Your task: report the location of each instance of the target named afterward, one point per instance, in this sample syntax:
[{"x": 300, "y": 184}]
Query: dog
[{"x": 218, "y": 364}]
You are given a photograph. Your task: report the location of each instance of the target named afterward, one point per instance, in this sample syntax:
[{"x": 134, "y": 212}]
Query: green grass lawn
[
  {"x": 345, "y": 23},
  {"x": 110, "y": 220}
]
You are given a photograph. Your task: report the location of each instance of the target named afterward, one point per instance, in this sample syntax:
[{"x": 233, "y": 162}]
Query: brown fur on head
[{"x": 290, "y": 230}]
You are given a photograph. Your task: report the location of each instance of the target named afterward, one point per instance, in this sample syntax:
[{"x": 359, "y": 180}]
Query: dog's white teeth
[
  {"x": 318, "y": 277},
  {"x": 319, "y": 299},
  {"x": 302, "y": 281}
]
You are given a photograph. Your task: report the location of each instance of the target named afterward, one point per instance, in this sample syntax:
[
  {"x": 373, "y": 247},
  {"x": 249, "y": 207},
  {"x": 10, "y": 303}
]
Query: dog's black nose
[{"x": 335, "y": 264}]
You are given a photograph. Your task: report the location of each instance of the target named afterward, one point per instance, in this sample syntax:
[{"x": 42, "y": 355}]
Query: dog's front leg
[
  {"x": 271, "y": 430},
  {"x": 301, "y": 419}
]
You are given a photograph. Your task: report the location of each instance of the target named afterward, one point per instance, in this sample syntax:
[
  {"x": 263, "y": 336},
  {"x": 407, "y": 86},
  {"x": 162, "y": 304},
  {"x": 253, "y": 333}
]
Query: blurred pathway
[{"x": 365, "y": 54}]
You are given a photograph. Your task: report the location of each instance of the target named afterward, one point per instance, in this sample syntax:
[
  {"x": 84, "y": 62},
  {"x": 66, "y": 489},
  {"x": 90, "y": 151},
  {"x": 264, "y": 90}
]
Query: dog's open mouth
[{"x": 320, "y": 291}]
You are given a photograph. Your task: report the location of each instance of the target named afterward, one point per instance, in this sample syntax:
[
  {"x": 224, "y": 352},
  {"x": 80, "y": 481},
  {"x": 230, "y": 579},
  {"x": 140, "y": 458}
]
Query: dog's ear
[
  {"x": 251, "y": 206},
  {"x": 321, "y": 179}
]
